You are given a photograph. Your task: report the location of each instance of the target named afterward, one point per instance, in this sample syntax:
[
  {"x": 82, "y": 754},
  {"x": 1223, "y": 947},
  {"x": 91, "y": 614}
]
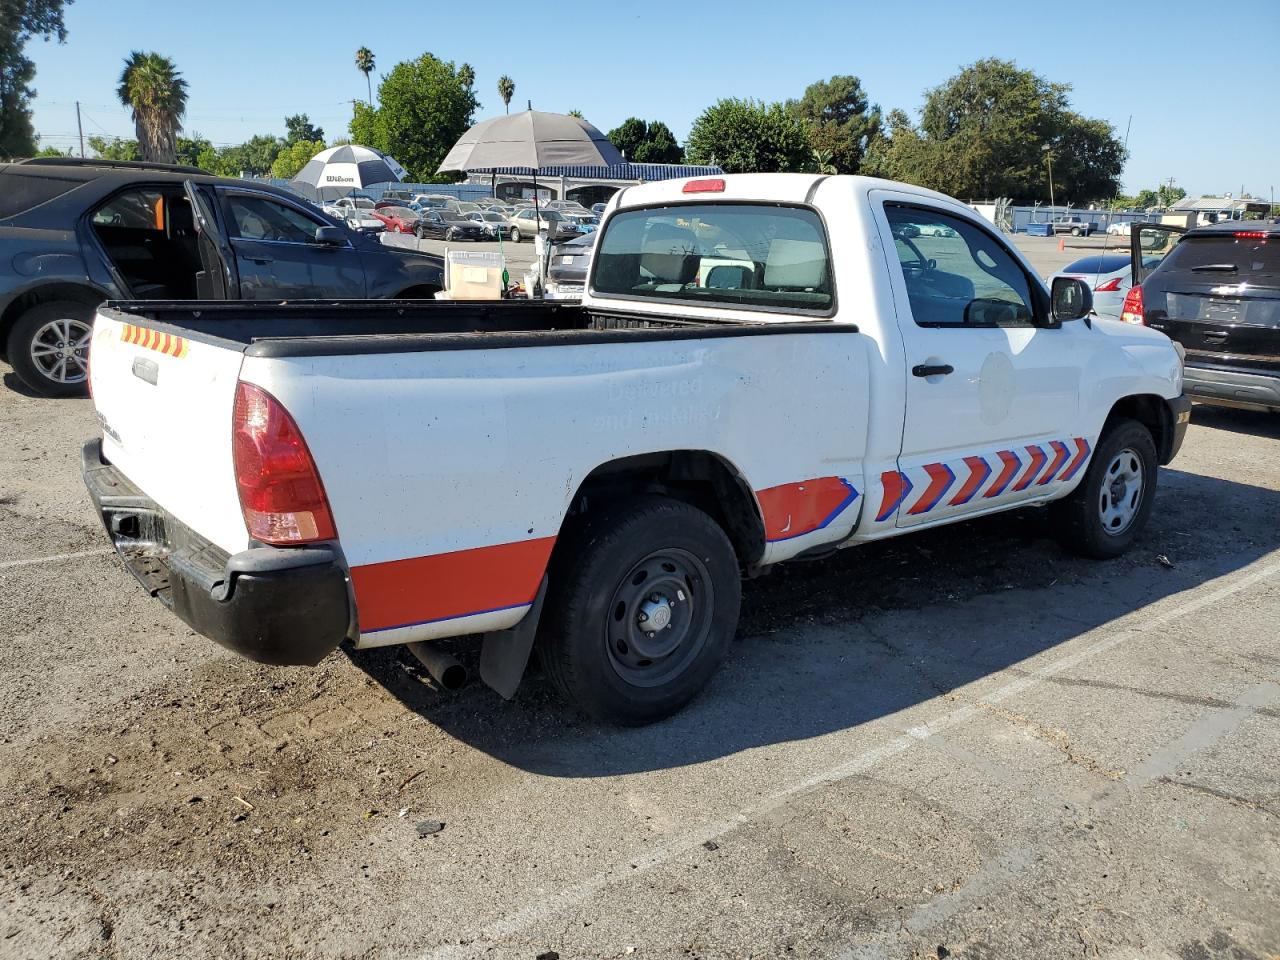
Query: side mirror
[
  {"x": 330, "y": 236},
  {"x": 1070, "y": 299}
]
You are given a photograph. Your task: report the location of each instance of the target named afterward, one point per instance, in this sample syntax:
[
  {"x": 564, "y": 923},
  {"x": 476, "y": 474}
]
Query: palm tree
[
  {"x": 467, "y": 75},
  {"x": 364, "y": 63},
  {"x": 822, "y": 160},
  {"x": 577, "y": 113},
  {"x": 156, "y": 93},
  {"x": 506, "y": 90}
]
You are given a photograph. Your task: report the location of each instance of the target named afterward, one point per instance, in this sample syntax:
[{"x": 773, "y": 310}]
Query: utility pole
[
  {"x": 1048, "y": 155},
  {"x": 80, "y": 129}
]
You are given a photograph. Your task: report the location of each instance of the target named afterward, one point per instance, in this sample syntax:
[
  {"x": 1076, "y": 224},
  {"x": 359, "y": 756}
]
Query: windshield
[
  {"x": 1109, "y": 263},
  {"x": 362, "y": 204},
  {"x": 751, "y": 255},
  {"x": 552, "y": 215}
]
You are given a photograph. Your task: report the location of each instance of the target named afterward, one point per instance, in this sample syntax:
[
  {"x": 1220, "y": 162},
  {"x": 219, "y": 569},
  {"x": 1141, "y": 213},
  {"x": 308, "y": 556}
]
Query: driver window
[
  {"x": 956, "y": 273},
  {"x": 257, "y": 218}
]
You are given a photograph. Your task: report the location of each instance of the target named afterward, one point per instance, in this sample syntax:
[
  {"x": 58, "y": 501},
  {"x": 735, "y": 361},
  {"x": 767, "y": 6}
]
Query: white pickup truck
[{"x": 762, "y": 367}]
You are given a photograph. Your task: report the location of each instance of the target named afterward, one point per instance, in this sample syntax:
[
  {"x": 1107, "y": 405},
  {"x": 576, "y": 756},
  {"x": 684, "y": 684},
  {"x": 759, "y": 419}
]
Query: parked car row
[{"x": 437, "y": 216}]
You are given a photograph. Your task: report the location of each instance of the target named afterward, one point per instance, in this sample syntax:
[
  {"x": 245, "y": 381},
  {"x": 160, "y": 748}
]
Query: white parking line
[
  {"x": 59, "y": 558},
  {"x": 574, "y": 895}
]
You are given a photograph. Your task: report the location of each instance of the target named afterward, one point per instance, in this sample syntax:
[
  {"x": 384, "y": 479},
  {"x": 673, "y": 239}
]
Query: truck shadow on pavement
[{"x": 830, "y": 645}]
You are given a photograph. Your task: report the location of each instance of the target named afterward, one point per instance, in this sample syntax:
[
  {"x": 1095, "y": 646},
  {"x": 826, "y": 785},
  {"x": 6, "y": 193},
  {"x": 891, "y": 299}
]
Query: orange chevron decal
[{"x": 167, "y": 343}]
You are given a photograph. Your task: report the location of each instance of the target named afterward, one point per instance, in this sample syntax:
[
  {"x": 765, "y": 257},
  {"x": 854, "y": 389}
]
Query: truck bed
[{"x": 301, "y": 328}]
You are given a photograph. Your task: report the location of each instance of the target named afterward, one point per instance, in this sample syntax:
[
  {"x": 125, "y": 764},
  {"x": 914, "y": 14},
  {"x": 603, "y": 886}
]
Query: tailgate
[{"x": 164, "y": 402}]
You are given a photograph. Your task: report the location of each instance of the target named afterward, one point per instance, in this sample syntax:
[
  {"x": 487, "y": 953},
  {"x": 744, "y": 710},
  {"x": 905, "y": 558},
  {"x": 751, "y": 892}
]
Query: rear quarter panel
[{"x": 449, "y": 472}]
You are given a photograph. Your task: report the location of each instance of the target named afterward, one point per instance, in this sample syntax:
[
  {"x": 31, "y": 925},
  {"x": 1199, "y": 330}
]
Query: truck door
[
  {"x": 217, "y": 279},
  {"x": 1149, "y": 243},
  {"x": 991, "y": 388},
  {"x": 277, "y": 253}
]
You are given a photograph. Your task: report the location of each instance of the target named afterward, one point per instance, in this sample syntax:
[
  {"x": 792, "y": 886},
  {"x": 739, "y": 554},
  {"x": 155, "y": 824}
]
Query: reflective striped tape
[{"x": 167, "y": 343}]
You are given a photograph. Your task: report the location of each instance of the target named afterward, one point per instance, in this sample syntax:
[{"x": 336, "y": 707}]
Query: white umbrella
[{"x": 339, "y": 170}]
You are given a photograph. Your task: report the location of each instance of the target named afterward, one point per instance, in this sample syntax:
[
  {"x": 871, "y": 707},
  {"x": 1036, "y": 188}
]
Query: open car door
[
  {"x": 217, "y": 279},
  {"x": 1149, "y": 243}
]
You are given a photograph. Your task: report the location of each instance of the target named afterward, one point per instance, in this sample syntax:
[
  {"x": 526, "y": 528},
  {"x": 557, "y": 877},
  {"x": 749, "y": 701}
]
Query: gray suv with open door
[
  {"x": 74, "y": 233},
  {"x": 1216, "y": 291}
]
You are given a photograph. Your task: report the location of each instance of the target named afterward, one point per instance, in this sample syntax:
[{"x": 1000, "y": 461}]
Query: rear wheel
[
  {"x": 49, "y": 348},
  {"x": 1075, "y": 231},
  {"x": 643, "y": 606},
  {"x": 1104, "y": 515},
  {"x": 515, "y": 235}
]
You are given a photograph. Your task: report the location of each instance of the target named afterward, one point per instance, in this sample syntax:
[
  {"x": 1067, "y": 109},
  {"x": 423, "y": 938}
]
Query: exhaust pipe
[{"x": 443, "y": 667}]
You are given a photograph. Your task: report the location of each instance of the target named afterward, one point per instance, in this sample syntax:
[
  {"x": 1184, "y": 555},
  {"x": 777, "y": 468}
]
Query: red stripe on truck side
[
  {"x": 404, "y": 593},
  {"x": 794, "y": 509}
]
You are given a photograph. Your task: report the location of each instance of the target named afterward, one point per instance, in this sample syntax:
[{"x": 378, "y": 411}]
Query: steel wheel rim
[
  {"x": 1123, "y": 486},
  {"x": 659, "y": 617},
  {"x": 60, "y": 350}
]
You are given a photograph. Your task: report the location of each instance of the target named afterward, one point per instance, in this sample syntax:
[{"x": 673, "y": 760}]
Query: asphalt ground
[{"x": 961, "y": 743}]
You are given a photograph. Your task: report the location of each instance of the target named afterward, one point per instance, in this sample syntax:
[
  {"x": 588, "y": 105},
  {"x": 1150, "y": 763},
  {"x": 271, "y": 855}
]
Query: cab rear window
[
  {"x": 749, "y": 256},
  {"x": 20, "y": 192}
]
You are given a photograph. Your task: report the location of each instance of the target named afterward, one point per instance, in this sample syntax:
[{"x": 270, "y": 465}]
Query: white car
[
  {"x": 1108, "y": 275},
  {"x": 598, "y": 476},
  {"x": 1120, "y": 228},
  {"x": 526, "y": 223}
]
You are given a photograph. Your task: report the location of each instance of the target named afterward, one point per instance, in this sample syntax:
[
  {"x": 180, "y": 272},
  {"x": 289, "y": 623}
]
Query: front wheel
[
  {"x": 1075, "y": 231},
  {"x": 644, "y": 602},
  {"x": 1104, "y": 515},
  {"x": 49, "y": 348},
  {"x": 515, "y": 235}
]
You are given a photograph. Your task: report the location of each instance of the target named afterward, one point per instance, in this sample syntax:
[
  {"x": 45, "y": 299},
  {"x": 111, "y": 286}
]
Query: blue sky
[{"x": 1202, "y": 97}]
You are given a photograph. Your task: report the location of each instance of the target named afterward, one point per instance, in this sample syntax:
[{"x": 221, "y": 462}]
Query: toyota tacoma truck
[{"x": 762, "y": 367}]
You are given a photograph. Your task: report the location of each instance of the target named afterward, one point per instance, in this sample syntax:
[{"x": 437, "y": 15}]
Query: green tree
[
  {"x": 299, "y": 127},
  {"x": 365, "y": 64},
  {"x": 423, "y": 108},
  {"x": 113, "y": 148},
  {"x": 642, "y": 142},
  {"x": 1170, "y": 195},
  {"x": 21, "y": 21},
  {"x": 254, "y": 157},
  {"x": 747, "y": 135},
  {"x": 506, "y": 90},
  {"x": 154, "y": 90},
  {"x": 52, "y": 152},
  {"x": 467, "y": 74},
  {"x": 982, "y": 134},
  {"x": 294, "y": 157},
  {"x": 189, "y": 149},
  {"x": 823, "y": 162},
  {"x": 840, "y": 120},
  {"x": 577, "y": 113}
]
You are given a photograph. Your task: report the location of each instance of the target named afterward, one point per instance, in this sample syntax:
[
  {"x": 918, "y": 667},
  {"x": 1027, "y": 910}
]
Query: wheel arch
[
  {"x": 85, "y": 293},
  {"x": 419, "y": 291},
  {"x": 1152, "y": 411},
  {"x": 701, "y": 478}
]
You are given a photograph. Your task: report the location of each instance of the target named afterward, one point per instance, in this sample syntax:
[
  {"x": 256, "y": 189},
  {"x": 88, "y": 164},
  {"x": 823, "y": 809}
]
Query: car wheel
[
  {"x": 515, "y": 235},
  {"x": 1075, "y": 231},
  {"x": 49, "y": 348},
  {"x": 642, "y": 606},
  {"x": 1104, "y": 515}
]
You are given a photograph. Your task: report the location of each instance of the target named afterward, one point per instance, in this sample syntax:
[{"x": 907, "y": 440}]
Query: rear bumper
[
  {"x": 1232, "y": 386},
  {"x": 285, "y": 606}
]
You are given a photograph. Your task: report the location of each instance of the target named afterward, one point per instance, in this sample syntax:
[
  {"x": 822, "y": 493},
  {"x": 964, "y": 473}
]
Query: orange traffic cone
[{"x": 1062, "y": 243}]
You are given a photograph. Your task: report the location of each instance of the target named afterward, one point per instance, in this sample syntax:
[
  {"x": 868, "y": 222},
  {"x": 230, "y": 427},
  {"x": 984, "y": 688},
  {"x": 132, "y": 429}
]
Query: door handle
[
  {"x": 932, "y": 369},
  {"x": 262, "y": 260},
  {"x": 1217, "y": 336}
]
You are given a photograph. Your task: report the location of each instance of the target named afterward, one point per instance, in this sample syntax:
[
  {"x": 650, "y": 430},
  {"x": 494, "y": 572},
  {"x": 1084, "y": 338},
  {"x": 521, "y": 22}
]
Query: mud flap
[{"x": 505, "y": 653}]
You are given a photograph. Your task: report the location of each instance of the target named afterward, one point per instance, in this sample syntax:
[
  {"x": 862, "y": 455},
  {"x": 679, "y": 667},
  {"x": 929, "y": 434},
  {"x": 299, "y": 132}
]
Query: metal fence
[{"x": 1101, "y": 219}]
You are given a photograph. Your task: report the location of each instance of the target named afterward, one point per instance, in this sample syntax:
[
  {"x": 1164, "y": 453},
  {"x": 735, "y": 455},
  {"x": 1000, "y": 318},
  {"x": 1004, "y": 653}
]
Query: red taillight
[
  {"x": 1250, "y": 235},
  {"x": 1132, "y": 311},
  {"x": 281, "y": 495},
  {"x": 704, "y": 186},
  {"x": 1111, "y": 286}
]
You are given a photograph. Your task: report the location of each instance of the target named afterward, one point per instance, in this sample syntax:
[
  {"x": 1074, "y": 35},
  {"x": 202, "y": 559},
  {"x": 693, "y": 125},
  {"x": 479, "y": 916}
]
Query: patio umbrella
[
  {"x": 339, "y": 170},
  {"x": 529, "y": 141},
  {"x": 526, "y": 142}
]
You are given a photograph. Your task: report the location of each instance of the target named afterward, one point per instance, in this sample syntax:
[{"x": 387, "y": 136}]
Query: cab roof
[{"x": 769, "y": 187}]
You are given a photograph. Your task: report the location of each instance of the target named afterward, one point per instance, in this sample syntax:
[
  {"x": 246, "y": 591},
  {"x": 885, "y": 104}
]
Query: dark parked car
[
  {"x": 1215, "y": 290},
  {"x": 447, "y": 225},
  {"x": 74, "y": 233},
  {"x": 567, "y": 270}
]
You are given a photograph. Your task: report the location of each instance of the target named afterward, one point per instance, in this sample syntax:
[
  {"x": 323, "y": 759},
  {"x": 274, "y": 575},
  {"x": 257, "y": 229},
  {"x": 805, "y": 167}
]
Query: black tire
[
  {"x": 35, "y": 323},
  {"x": 1080, "y": 520},
  {"x": 515, "y": 235},
  {"x": 1075, "y": 231},
  {"x": 592, "y": 641}
]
